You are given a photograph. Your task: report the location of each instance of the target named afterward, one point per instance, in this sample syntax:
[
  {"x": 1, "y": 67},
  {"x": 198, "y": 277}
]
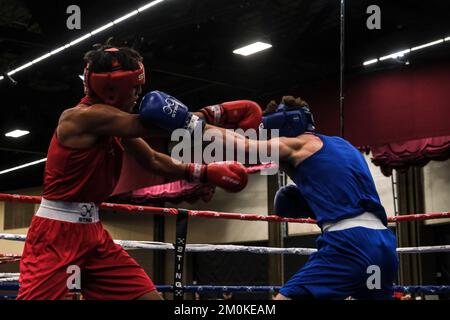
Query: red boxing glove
[
  {"x": 229, "y": 175},
  {"x": 244, "y": 114}
]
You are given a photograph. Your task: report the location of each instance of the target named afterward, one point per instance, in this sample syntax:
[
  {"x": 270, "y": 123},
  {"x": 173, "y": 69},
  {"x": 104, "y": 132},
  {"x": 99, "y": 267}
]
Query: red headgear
[{"x": 113, "y": 87}]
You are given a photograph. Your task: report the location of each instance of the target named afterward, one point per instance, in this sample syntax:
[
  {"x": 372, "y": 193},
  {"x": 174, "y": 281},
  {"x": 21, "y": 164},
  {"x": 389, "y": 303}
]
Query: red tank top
[{"x": 82, "y": 175}]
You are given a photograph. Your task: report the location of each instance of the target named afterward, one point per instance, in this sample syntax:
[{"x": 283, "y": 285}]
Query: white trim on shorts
[
  {"x": 366, "y": 220},
  {"x": 75, "y": 212}
]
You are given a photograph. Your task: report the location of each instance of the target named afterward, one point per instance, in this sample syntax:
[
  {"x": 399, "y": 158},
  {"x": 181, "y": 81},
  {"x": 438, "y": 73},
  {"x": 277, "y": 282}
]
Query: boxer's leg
[
  {"x": 50, "y": 248},
  {"x": 111, "y": 274}
]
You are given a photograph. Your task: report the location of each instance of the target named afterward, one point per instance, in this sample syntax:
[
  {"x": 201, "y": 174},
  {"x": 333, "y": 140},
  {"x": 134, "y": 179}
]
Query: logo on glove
[{"x": 171, "y": 107}]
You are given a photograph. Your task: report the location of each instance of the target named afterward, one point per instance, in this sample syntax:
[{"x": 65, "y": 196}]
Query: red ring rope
[{"x": 214, "y": 214}]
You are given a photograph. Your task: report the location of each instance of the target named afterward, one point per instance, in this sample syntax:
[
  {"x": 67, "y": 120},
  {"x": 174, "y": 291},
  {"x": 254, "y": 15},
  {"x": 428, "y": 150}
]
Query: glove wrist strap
[
  {"x": 214, "y": 114},
  {"x": 196, "y": 172},
  {"x": 194, "y": 123}
]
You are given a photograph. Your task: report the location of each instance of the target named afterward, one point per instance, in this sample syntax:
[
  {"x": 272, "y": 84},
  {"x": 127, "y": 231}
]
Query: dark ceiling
[{"x": 187, "y": 46}]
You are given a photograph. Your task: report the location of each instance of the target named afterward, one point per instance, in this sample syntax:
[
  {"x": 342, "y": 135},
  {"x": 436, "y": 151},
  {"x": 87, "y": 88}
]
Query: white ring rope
[
  {"x": 13, "y": 237},
  {"x": 424, "y": 249},
  {"x": 152, "y": 245},
  {"x": 8, "y": 275},
  {"x": 10, "y": 279},
  {"x": 250, "y": 249}
]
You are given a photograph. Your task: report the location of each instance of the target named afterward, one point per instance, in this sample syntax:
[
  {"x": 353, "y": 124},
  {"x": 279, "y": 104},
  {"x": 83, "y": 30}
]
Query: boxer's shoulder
[
  {"x": 71, "y": 127},
  {"x": 310, "y": 142},
  {"x": 82, "y": 114}
]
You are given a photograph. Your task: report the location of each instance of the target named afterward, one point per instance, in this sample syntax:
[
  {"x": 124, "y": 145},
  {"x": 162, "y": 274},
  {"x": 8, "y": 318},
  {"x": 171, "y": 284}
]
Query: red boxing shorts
[{"x": 55, "y": 247}]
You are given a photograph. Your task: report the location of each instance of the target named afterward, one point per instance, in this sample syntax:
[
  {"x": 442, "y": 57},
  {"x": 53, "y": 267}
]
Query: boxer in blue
[
  {"x": 333, "y": 185},
  {"x": 356, "y": 251}
]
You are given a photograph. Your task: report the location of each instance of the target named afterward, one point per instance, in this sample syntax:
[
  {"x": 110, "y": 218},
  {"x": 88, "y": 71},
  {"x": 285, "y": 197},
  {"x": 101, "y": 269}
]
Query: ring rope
[
  {"x": 9, "y": 255},
  {"x": 153, "y": 245},
  {"x": 9, "y": 258},
  {"x": 9, "y": 261},
  {"x": 10, "y": 279},
  {"x": 9, "y": 274},
  {"x": 427, "y": 289},
  {"x": 215, "y": 214}
]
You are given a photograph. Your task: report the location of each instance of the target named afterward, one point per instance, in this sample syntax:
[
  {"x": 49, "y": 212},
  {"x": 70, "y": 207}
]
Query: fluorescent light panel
[
  {"x": 17, "y": 133},
  {"x": 106, "y": 26},
  {"x": 402, "y": 53},
  {"x": 45, "y": 56},
  {"x": 149, "y": 5},
  {"x": 366, "y": 63},
  {"x": 23, "y": 166},
  {"x": 26, "y": 65},
  {"x": 426, "y": 45},
  {"x": 132, "y": 13},
  {"x": 252, "y": 48},
  {"x": 86, "y": 36},
  {"x": 58, "y": 50},
  {"x": 395, "y": 54}
]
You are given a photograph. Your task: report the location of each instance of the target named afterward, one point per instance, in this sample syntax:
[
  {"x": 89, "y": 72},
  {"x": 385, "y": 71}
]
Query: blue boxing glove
[
  {"x": 160, "y": 109},
  {"x": 290, "y": 203}
]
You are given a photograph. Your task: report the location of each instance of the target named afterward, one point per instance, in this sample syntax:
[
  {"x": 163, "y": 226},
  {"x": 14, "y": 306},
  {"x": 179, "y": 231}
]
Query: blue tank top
[{"x": 337, "y": 184}]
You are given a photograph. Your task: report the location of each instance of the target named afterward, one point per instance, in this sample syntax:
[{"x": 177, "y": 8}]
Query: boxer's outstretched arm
[
  {"x": 230, "y": 176},
  {"x": 286, "y": 147},
  {"x": 104, "y": 120},
  {"x": 154, "y": 161}
]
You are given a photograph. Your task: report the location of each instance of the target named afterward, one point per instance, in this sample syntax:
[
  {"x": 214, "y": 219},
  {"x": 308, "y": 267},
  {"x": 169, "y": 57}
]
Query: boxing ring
[{"x": 9, "y": 281}]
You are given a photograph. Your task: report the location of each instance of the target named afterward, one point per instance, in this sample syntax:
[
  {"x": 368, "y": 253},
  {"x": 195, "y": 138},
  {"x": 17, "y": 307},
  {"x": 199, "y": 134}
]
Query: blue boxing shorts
[{"x": 345, "y": 263}]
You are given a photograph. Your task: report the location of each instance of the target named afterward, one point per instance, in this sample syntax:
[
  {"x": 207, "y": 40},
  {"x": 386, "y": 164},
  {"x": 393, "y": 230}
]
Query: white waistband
[
  {"x": 76, "y": 212},
  {"x": 366, "y": 220}
]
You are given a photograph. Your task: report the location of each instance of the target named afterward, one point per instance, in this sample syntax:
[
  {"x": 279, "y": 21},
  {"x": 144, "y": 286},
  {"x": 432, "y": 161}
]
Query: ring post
[{"x": 180, "y": 247}]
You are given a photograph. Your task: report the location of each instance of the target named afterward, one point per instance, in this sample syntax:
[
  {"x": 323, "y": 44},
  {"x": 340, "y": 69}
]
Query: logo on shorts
[{"x": 86, "y": 211}]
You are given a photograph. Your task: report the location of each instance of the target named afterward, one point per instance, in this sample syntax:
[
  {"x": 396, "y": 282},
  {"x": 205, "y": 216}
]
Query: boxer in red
[{"x": 83, "y": 167}]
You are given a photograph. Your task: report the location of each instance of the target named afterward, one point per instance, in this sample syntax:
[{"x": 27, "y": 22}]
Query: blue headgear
[{"x": 291, "y": 122}]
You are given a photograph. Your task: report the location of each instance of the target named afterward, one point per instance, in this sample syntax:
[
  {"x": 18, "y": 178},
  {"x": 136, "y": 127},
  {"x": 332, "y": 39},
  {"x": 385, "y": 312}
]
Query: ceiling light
[
  {"x": 252, "y": 48},
  {"x": 148, "y": 5},
  {"x": 86, "y": 36},
  {"x": 366, "y": 63},
  {"x": 402, "y": 53},
  {"x": 45, "y": 56},
  {"x": 23, "y": 166},
  {"x": 106, "y": 26},
  {"x": 58, "y": 50},
  {"x": 26, "y": 65},
  {"x": 426, "y": 45},
  {"x": 132, "y": 13},
  {"x": 395, "y": 54},
  {"x": 17, "y": 133}
]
